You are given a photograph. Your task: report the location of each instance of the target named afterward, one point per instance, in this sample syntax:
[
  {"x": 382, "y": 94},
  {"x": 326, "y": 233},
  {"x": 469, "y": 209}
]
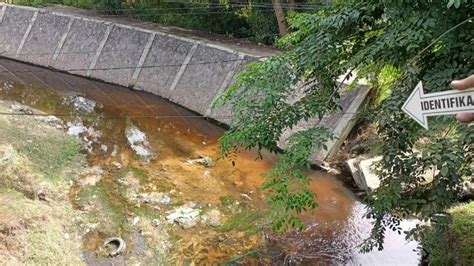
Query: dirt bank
[{"x": 37, "y": 163}]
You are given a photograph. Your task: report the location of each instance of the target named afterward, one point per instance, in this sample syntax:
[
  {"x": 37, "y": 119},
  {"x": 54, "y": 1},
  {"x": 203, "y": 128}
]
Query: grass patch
[
  {"x": 226, "y": 201},
  {"x": 33, "y": 233},
  {"x": 107, "y": 205},
  {"x": 455, "y": 246},
  {"x": 50, "y": 155},
  {"x": 51, "y": 152},
  {"x": 244, "y": 220},
  {"x": 139, "y": 173}
]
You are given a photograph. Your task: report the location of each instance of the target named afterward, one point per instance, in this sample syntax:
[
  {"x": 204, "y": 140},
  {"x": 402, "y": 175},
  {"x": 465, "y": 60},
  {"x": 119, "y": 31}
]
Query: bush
[{"x": 454, "y": 246}]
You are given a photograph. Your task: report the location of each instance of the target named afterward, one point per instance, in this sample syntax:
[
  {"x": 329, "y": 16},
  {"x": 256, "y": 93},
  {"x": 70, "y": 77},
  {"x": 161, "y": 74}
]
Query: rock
[
  {"x": 359, "y": 149},
  {"x": 5, "y": 157},
  {"x": 186, "y": 216},
  {"x": 156, "y": 222},
  {"x": 202, "y": 160},
  {"x": 136, "y": 220},
  {"x": 117, "y": 165},
  {"x": 91, "y": 176},
  {"x": 326, "y": 167},
  {"x": 212, "y": 218},
  {"x": 42, "y": 196},
  {"x": 467, "y": 192},
  {"x": 21, "y": 109},
  {"x": 154, "y": 198}
]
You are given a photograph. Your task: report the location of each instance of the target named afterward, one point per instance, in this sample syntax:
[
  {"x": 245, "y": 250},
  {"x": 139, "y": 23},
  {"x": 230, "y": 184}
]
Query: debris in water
[
  {"x": 80, "y": 103},
  {"x": 154, "y": 198},
  {"x": 116, "y": 246},
  {"x": 138, "y": 142},
  {"x": 202, "y": 160},
  {"x": 186, "y": 216},
  {"x": 212, "y": 218}
]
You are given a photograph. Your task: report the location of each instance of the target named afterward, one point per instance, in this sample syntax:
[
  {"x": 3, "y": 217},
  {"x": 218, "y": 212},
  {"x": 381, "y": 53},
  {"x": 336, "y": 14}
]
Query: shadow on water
[{"x": 139, "y": 144}]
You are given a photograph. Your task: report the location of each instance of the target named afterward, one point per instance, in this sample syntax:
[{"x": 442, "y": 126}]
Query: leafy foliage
[
  {"x": 393, "y": 44},
  {"x": 253, "y": 20}
]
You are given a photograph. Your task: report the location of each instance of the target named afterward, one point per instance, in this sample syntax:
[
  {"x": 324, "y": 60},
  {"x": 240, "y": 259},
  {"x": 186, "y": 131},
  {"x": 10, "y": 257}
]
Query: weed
[{"x": 245, "y": 220}]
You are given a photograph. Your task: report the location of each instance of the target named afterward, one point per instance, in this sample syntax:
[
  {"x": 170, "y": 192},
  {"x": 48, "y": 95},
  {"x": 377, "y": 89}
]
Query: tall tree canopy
[{"x": 393, "y": 44}]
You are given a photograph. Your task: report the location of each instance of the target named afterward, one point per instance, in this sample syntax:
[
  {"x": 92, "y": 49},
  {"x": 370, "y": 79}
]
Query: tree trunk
[
  {"x": 280, "y": 15},
  {"x": 291, "y": 5}
]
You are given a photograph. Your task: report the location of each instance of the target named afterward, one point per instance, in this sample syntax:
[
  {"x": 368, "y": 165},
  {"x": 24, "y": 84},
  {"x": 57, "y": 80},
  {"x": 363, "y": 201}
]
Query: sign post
[{"x": 419, "y": 105}]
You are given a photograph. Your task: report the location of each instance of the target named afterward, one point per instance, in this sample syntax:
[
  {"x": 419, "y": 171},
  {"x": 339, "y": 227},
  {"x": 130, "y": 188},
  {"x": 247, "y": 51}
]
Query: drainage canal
[{"x": 156, "y": 181}]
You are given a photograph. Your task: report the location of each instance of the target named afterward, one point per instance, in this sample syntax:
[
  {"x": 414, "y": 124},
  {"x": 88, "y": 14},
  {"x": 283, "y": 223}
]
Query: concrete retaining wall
[{"x": 189, "y": 71}]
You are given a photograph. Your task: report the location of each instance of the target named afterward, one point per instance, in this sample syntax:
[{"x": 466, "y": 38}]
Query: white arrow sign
[{"x": 419, "y": 105}]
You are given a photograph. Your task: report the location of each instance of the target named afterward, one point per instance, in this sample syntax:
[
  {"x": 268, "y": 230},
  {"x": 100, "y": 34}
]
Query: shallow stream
[{"x": 148, "y": 158}]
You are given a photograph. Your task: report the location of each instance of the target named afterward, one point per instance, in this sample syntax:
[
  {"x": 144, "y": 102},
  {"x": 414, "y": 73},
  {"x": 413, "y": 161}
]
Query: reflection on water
[{"x": 160, "y": 152}]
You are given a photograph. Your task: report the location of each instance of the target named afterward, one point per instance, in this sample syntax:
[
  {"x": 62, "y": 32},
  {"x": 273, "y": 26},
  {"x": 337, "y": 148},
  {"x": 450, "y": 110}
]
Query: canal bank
[{"x": 146, "y": 158}]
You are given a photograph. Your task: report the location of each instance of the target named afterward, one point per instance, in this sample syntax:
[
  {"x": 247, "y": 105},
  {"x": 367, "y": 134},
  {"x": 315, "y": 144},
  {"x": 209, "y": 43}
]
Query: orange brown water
[{"x": 103, "y": 114}]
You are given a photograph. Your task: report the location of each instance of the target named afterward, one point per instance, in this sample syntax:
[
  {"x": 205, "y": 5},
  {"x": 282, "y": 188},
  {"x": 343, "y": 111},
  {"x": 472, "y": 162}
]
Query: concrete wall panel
[
  {"x": 169, "y": 53},
  {"x": 43, "y": 38},
  {"x": 203, "y": 77},
  {"x": 122, "y": 50},
  {"x": 12, "y": 29},
  {"x": 223, "y": 113},
  {"x": 80, "y": 46}
]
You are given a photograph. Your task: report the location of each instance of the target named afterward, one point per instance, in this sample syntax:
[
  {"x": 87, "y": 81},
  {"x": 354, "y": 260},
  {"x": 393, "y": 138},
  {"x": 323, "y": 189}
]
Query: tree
[
  {"x": 280, "y": 15},
  {"x": 408, "y": 41}
]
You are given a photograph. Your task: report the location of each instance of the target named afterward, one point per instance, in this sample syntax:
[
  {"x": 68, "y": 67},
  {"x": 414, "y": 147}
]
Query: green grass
[
  {"x": 51, "y": 155},
  {"x": 246, "y": 220},
  {"x": 456, "y": 245},
  {"x": 139, "y": 173},
  {"x": 226, "y": 201}
]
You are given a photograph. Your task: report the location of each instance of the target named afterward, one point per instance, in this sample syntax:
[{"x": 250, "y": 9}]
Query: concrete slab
[
  {"x": 165, "y": 51},
  {"x": 12, "y": 29},
  {"x": 340, "y": 123},
  {"x": 224, "y": 113},
  {"x": 122, "y": 51},
  {"x": 352, "y": 164},
  {"x": 80, "y": 46},
  {"x": 41, "y": 42},
  {"x": 202, "y": 78},
  {"x": 367, "y": 172}
]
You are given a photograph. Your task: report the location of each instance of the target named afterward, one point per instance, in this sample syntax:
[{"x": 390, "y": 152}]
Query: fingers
[
  {"x": 463, "y": 84},
  {"x": 465, "y": 117}
]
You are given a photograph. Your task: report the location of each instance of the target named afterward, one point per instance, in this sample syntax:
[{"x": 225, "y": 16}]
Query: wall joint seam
[
  {"x": 99, "y": 50},
  {"x": 183, "y": 68},
  {"x": 143, "y": 57},
  {"x": 27, "y": 33}
]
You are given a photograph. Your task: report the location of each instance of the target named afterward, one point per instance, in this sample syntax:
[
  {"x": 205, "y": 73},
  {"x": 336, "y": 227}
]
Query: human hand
[{"x": 464, "y": 84}]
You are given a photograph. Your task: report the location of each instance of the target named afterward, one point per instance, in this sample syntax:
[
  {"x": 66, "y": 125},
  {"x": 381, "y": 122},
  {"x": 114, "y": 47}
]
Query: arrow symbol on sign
[{"x": 419, "y": 105}]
